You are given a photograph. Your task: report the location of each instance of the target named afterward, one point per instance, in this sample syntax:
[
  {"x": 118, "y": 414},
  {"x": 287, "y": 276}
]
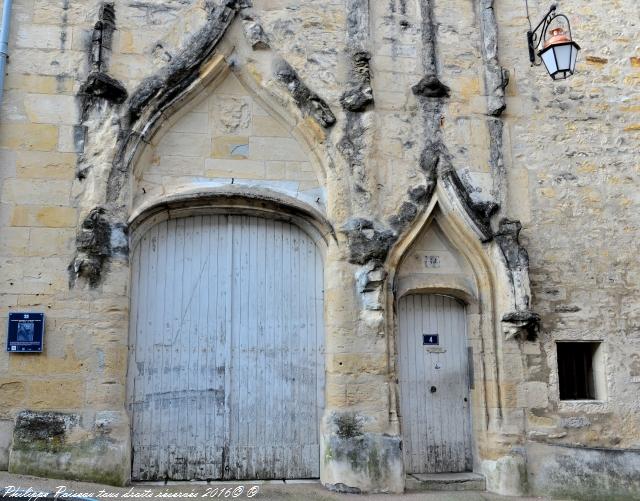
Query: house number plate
[
  {"x": 432, "y": 261},
  {"x": 430, "y": 339}
]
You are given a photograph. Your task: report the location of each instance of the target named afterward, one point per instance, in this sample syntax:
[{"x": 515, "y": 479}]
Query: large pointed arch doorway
[{"x": 226, "y": 371}]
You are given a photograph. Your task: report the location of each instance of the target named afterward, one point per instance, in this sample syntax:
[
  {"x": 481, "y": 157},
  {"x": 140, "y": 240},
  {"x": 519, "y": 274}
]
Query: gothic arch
[
  {"x": 485, "y": 300},
  {"x": 232, "y": 59},
  {"x": 213, "y": 73},
  {"x": 232, "y": 200},
  {"x": 219, "y": 50},
  {"x": 303, "y": 179},
  {"x": 125, "y": 127}
]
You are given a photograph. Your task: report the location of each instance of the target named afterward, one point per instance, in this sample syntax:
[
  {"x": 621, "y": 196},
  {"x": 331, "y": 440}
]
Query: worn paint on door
[
  {"x": 434, "y": 384},
  {"x": 226, "y": 373}
]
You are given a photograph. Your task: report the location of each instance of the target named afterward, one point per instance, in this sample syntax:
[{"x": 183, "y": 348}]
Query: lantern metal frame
[{"x": 537, "y": 35}]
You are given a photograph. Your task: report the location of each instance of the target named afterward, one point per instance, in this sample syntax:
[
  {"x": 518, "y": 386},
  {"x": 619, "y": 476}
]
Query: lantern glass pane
[
  {"x": 549, "y": 60},
  {"x": 563, "y": 56},
  {"x": 574, "y": 56}
]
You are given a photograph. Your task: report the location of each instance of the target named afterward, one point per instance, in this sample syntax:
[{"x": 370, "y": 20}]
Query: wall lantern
[{"x": 559, "y": 51}]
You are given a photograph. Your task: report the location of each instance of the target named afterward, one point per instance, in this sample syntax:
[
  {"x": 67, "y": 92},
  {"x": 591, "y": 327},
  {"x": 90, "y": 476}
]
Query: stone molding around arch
[
  {"x": 488, "y": 297},
  {"x": 230, "y": 199},
  {"x": 119, "y": 131}
]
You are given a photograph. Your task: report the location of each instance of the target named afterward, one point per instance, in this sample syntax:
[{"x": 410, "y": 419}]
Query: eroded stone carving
[
  {"x": 255, "y": 34},
  {"x": 106, "y": 223},
  {"x": 431, "y": 86},
  {"x": 233, "y": 115},
  {"x": 522, "y": 321},
  {"x": 308, "y": 101},
  {"x": 102, "y": 37},
  {"x": 103, "y": 86},
  {"x": 360, "y": 94},
  {"x": 99, "y": 84},
  {"x": 98, "y": 239},
  {"x": 368, "y": 241},
  {"x": 524, "y": 324},
  {"x": 496, "y": 77}
]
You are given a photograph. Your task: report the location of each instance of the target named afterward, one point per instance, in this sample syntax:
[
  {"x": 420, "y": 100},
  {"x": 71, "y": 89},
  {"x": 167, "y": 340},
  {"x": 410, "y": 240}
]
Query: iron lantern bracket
[{"x": 536, "y": 35}]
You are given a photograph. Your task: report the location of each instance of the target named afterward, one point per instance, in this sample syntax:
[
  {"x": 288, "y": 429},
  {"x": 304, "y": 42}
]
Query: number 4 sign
[{"x": 430, "y": 339}]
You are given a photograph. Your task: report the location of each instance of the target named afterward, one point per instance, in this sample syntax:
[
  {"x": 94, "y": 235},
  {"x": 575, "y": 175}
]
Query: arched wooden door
[
  {"x": 433, "y": 367},
  {"x": 226, "y": 372}
]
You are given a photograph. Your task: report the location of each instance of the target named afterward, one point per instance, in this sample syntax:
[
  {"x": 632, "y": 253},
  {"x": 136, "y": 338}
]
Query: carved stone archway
[{"x": 491, "y": 297}]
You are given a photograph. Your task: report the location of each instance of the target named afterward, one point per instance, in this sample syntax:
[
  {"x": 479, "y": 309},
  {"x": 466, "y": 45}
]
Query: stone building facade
[{"x": 412, "y": 144}]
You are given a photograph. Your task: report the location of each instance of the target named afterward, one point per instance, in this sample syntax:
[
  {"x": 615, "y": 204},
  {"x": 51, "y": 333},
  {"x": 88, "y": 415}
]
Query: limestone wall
[
  {"x": 368, "y": 112},
  {"x": 571, "y": 149}
]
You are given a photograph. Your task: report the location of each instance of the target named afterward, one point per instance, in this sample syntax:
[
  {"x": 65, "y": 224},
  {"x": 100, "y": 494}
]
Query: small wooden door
[
  {"x": 226, "y": 371},
  {"x": 434, "y": 384}
]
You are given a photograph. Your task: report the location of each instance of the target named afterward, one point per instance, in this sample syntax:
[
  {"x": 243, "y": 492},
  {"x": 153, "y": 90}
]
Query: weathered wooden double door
[
  {"x": 434, "y": 381},
  {"x": 226, "y": 372}
]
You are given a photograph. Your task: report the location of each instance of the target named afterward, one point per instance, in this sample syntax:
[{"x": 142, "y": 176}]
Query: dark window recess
[{"x": 575, "y": 370}]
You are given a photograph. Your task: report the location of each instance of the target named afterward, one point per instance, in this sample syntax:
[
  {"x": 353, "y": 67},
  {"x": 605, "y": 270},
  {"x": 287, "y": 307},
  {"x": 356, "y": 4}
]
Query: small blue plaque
[
  {"x": 25, "y": 332},
  {"x": 430, "y": 339}
]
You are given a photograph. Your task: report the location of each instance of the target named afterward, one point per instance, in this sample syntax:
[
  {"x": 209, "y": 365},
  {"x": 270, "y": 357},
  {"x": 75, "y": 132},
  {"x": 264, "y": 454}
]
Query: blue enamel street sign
[
  {"x": 430, "y": 339},
  {"x": 25, "y": 332}
]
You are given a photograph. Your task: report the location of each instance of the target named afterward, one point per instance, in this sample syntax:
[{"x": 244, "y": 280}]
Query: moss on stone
[
  {"x": 369, "y": 454},
  {"x": 41, "y": 448},
  {"x": 328, "y": 455},
  {"x": 94, "y": 475},
  {"x": 373, "y": 464}
]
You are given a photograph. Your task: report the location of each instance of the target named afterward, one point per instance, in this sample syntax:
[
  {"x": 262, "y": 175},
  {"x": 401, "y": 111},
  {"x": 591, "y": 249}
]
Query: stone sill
[{"x": 587, "y": 406}]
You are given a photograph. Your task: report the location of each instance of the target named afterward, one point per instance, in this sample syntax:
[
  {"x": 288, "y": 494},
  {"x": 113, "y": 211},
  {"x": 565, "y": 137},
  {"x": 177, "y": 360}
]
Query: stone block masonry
[{"x": 417, "y": 146}]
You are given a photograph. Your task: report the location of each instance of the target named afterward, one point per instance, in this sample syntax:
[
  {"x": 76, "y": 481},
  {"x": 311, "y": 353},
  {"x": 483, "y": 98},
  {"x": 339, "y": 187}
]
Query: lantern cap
[{"x": 558, "y": 36}]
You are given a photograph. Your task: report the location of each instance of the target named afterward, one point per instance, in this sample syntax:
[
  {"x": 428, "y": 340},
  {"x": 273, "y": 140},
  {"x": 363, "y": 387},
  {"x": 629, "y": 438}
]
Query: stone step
[{"x": 466, "y": 481}]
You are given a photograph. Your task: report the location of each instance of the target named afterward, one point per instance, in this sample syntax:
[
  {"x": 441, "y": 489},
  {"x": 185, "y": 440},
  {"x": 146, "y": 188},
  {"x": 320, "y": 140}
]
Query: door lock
[{"x": 433, "y": 389}]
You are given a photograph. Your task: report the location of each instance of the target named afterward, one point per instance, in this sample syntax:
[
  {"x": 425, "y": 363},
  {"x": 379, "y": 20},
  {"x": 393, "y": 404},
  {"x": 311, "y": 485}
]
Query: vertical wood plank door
[
  {"x": 434, "y": 384},
  {"x": 226, "y": 364}
]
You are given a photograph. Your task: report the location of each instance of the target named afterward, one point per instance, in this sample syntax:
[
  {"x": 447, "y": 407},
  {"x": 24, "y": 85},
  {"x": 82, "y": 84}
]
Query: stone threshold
[{"x": 160, "y": 483}]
